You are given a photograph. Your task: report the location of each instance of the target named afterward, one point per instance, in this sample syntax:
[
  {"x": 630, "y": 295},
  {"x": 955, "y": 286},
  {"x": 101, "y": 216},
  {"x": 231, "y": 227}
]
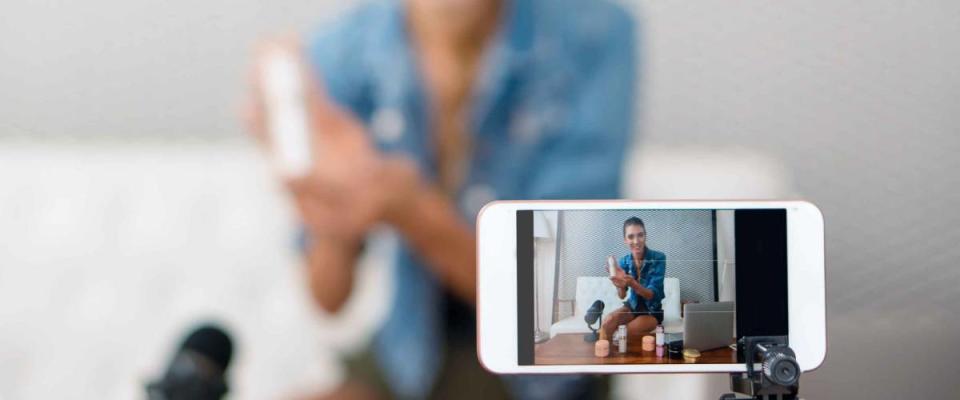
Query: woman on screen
[{"x": 640, "y": 280}]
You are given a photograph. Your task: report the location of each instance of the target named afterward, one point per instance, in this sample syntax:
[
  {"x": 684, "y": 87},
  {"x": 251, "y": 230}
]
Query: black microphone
[
  {"x": 593, "y": 314},
  {"x": 197, "y": 369}
]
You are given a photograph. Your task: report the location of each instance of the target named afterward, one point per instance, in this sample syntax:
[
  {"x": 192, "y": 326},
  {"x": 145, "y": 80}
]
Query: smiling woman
[
  {"x": 639, "y": 279},
  {"x": 636, "y": 292}
]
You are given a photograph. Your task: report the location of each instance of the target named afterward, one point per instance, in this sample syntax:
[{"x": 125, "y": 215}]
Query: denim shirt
[
  {"x": 550, "y": 118},
  {"x": 650, "y": 276}
]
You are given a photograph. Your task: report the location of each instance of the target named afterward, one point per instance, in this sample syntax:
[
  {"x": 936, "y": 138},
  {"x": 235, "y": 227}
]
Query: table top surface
[{"x": 570, "y": 348}]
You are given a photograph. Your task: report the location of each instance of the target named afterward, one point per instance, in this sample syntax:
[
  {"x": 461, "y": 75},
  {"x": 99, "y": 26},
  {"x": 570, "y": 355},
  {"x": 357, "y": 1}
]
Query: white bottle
[
  {"x": 287, "y": 125},
  {"x": 622, "y": 330},
  {"x": 612, "y": 265}
]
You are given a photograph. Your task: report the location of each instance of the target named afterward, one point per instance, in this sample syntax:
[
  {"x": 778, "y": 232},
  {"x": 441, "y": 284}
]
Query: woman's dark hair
[{"x": 632, "y": 221}]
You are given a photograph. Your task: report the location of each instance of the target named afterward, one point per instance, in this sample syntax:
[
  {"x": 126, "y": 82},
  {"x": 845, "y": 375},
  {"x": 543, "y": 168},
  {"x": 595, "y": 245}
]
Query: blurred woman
[{"x": 425, "y": 111}]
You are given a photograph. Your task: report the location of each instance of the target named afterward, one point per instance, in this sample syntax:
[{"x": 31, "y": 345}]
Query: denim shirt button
[{"x": 388, "y": 124}]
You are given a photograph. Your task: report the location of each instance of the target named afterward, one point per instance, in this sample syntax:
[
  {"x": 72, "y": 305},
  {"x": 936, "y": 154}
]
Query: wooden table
[{"x": 569, "y": 348}]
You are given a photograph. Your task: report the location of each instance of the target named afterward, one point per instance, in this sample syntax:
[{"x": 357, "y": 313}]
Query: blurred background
[{"x": 132, "y": 202}]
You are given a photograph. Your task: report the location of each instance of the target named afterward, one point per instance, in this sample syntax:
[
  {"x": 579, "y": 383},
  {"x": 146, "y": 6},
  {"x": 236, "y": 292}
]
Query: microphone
[
  {"x": 594, "y": 312},
  {"x": 197, "y": 370},
  {"x": 592, "y": 316}
]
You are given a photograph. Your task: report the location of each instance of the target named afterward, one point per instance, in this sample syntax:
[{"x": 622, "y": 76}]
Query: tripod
[{"x": 779, "y": 376}]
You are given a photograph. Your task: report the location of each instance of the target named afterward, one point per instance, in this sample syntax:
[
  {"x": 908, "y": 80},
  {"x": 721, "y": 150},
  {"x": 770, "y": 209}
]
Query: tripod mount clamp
[{"x": 778, "y": 377}]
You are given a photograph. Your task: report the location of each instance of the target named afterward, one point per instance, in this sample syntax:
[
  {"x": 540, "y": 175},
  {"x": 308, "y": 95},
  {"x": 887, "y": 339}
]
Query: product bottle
[
  {"x": 659, "y": 341},
  {"x": 602, "y": 347}
]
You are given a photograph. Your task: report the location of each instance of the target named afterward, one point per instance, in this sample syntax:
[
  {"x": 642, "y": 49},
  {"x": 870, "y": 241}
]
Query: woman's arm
[
  {"x": 640, "y": 289},
  {"x": 657, "y": 270},
  {"x": 432, "y": 226},
  {"x": 330, "y": 270},
  {"x": 657, "y": 273},
  {"x": 619, "y": 280}
]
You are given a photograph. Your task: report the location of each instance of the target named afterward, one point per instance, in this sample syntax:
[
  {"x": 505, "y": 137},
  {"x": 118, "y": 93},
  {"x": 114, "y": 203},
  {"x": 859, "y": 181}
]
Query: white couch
[
  {"x": 589, "y": 289},
  {"x": 111, "y": 251}
]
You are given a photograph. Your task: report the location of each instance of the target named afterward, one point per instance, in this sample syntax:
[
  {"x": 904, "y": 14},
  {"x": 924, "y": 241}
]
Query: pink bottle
[{"x": 659, "y": 341}]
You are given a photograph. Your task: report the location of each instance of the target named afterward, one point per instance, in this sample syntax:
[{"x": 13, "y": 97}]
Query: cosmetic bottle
[{"x": 659, "y": 341}]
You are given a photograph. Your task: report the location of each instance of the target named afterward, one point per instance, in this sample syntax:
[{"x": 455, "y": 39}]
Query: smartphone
[
  {"x": 287, "y": 125},
  {"x": 739, "y": 268}
]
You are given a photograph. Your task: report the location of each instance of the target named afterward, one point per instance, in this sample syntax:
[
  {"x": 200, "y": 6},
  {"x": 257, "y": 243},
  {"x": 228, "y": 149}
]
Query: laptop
[{"x": 707, "y": 326}]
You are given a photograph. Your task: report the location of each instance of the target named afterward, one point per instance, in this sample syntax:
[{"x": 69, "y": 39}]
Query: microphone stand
[{"x": 593, "y": 336}]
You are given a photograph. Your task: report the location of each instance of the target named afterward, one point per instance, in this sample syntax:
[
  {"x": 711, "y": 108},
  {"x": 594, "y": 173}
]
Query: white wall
[
  {"x": 135, "y": 68},
  {"x": 545, "y": 256},
  {"x": 686, "y": 237},
  {"x": 726, "y": 256}
]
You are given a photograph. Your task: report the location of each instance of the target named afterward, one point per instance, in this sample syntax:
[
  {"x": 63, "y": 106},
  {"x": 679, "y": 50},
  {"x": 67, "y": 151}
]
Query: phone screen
[{"x": 685, "y": 279}]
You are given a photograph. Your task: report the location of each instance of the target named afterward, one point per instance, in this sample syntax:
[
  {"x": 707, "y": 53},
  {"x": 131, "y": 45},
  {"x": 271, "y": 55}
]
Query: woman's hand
[
  {"x": 351, "y": 186},
  {"x": 344, "y": 204},
  {"x": 620, "y": 278}
]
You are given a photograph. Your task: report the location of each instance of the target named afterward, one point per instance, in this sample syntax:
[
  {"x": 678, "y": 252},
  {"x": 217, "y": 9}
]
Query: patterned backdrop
[{"x": 587, "y": 237}]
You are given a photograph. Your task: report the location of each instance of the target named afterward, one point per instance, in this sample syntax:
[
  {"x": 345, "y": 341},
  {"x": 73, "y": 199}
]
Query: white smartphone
[
  {"x": 770, "y": 255},
  {"x": 287, "y": 125}
]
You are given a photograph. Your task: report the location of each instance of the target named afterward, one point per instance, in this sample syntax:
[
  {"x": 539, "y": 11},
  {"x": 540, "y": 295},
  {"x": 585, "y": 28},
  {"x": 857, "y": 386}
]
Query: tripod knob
[{"x": 781, "y": 367}]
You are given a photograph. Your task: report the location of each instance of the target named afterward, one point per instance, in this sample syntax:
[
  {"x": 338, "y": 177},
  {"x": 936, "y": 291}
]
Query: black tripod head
[{"x": 779, "y": 377}]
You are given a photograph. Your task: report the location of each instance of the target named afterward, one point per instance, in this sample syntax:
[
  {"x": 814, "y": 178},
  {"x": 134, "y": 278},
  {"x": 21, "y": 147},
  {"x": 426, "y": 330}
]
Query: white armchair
[{"x": 589, "y": 289}]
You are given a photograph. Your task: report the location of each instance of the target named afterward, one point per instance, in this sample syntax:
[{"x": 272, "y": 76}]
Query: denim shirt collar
[
  {"x": 400, "y": 84},
  {"x": 509, "y": 51},
  {"x": 646, "y": 250}
]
